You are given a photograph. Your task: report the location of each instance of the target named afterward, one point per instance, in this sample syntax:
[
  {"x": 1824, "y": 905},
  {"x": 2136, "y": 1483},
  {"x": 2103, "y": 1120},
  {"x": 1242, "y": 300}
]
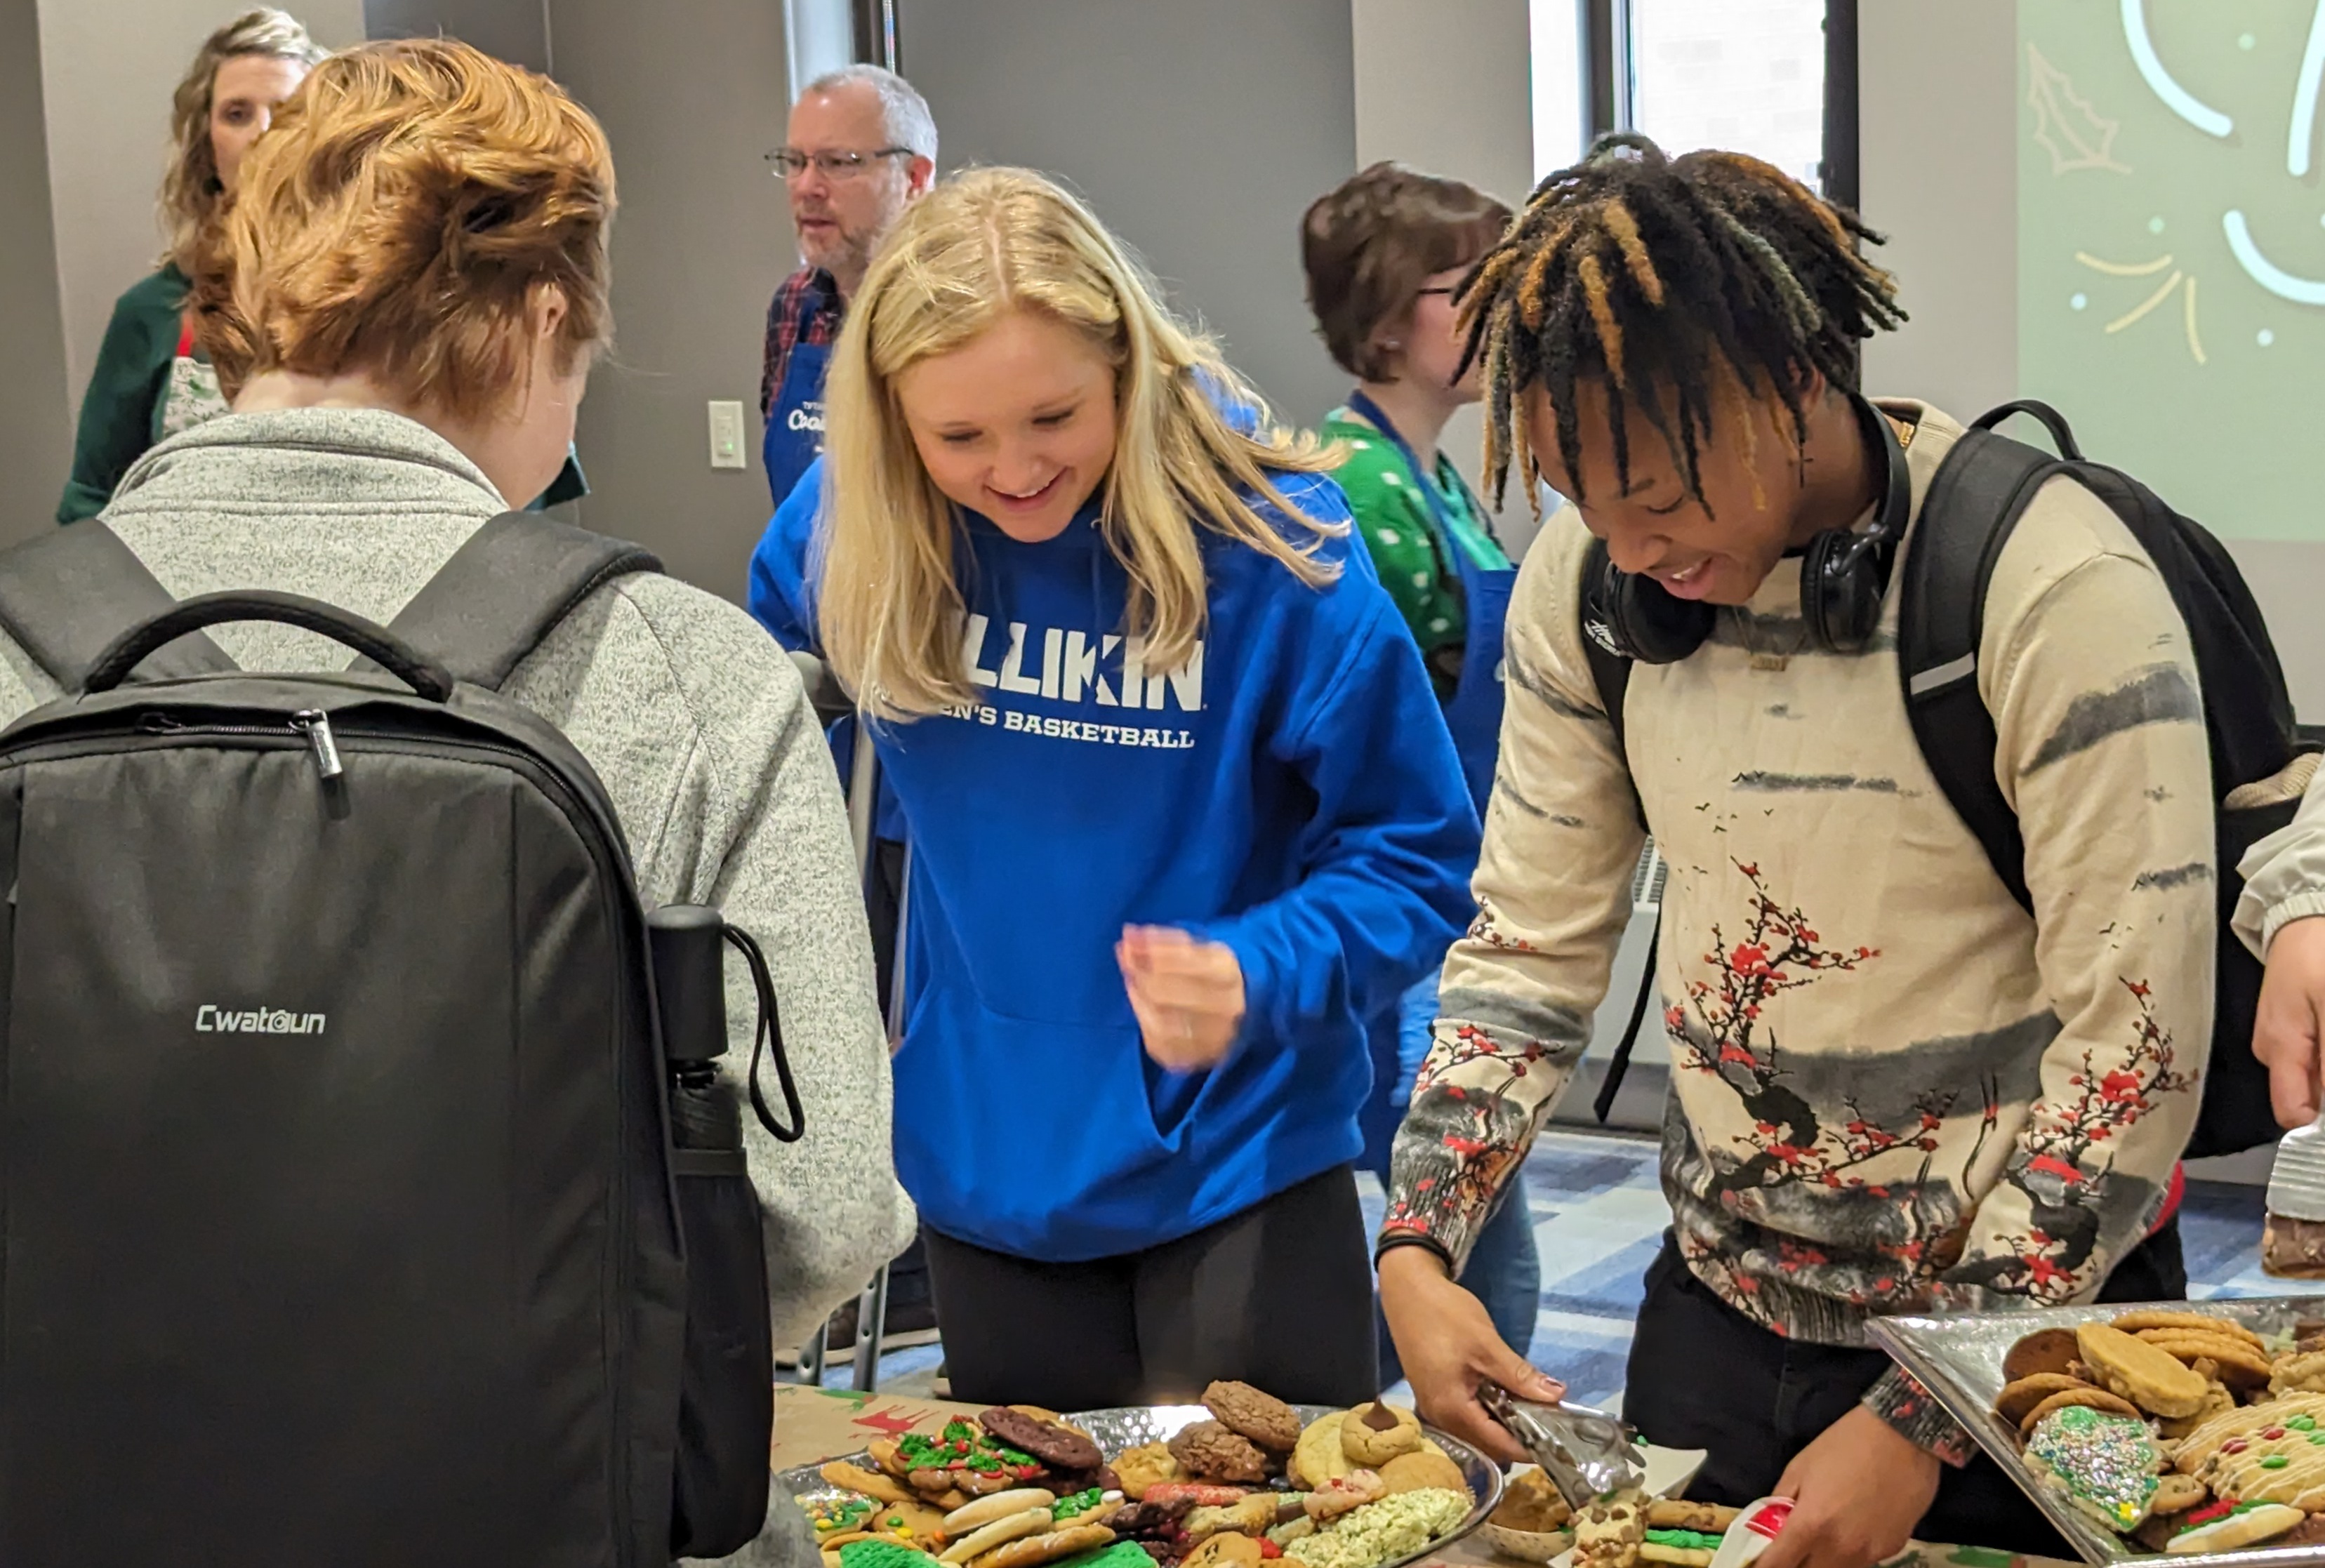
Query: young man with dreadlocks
[{"x": 1892, "y": 1090}]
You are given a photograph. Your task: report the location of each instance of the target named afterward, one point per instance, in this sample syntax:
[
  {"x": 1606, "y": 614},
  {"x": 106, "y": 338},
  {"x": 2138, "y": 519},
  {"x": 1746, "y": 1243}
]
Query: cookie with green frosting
[{"x": 2105, "y": 1465}]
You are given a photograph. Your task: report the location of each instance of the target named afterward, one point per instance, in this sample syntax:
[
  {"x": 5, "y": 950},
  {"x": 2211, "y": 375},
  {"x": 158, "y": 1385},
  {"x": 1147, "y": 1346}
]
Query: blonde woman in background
[
  {"x": 1184, "y": 812},
  {"x": 152, "y": 380}
]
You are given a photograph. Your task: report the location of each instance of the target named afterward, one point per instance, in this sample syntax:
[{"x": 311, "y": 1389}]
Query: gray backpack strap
[
  {"x": 67, "y": 595},
  {"x": 508, "y": 587}
]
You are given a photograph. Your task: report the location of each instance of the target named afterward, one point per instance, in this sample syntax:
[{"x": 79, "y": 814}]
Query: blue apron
[
  {"x": 794, "y": 436},
  {"x": 1474, "y": 712}
]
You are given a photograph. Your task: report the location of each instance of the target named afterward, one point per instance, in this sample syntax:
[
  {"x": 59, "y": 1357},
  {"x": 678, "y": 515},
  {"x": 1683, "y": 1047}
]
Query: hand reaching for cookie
[
  {"x": 1857, "y": 1491},
  {"x": 1187, "y": 994}
]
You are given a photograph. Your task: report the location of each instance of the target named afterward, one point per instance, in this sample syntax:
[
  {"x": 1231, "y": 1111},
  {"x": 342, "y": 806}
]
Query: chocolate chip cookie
[
  {"x": 1267, "y": 1421},
  {"x": 1059, "y": 1447},
  {"x": 1209, "y": 1450}
]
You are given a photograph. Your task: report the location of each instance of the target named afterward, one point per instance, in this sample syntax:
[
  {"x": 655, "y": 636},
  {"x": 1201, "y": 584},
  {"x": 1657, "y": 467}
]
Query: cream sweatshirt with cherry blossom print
[{"x": 1892, "y": 1089}]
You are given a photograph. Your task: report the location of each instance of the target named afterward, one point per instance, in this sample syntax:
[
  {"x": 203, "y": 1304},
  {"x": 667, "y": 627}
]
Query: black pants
[
  {"x": 1703, "y": 1375},
  {"x": 1279, "y": 1296}
]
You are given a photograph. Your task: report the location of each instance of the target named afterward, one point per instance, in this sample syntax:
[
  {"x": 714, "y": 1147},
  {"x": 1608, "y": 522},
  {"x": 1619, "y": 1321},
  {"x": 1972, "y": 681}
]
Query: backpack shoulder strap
[
  {"x": 68, "y": 594},
  {"x": 1610, "y": 671},
  {"x": 1974, "y": 502},
  {"x": 509, "y": 585}
]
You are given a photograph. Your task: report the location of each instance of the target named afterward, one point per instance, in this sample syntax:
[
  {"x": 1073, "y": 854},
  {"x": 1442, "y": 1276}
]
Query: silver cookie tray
[
  {"x": 1959, "y": 1360},
  {"x": 1116, "y": 1431}
]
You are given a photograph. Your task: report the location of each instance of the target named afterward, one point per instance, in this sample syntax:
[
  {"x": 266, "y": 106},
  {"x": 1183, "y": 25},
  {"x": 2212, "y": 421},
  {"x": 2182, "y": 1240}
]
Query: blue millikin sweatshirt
[{"x": 1292, "y": 792}]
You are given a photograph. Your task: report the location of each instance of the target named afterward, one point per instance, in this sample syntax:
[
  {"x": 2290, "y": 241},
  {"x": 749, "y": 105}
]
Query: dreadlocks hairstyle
[{"x": 1693, "y": 284}]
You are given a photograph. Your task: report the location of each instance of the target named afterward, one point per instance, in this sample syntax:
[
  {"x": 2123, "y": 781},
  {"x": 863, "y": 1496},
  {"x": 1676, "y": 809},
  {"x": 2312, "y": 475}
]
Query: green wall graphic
[{"x": 2171, "y": 246}]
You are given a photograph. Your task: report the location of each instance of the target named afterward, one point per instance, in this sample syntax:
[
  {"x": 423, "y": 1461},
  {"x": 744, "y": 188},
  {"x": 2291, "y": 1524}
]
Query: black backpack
[
  {"x": 339, "y": 1216},
  {"x": 1974, "y": 502}
]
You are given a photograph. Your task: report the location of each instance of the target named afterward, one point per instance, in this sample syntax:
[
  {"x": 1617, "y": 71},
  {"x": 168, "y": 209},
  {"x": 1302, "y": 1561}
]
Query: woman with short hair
[{"x": 1384, "y": 252}]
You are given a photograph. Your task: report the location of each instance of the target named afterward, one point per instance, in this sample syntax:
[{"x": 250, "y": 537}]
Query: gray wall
[
  {"x": 1198, "y": 129},
  {"x": 108, "y": 68},
  {"x": 517, "y": 31},
  {"x": 692, "y": 93},
  {"x": 35, "y": 439}
]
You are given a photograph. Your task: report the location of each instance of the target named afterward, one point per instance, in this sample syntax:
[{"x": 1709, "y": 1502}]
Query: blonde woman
[
  {"x": 151, "y": 379},
  {"x": 1183, "y": 810}
]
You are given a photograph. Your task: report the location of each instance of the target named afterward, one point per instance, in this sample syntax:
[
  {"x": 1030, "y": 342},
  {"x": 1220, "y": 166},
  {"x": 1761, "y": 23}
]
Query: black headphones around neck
[{"x": 1844, "y": 575}]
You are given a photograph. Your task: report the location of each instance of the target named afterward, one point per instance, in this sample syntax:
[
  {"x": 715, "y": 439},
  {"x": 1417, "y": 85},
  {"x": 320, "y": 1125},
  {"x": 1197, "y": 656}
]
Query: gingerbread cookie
[
  {"x": 1209, "y": 1450},
  {"x": 1059, "y": 1447},
  {"x": 2046, "y": 1350},
  {"x": 2147, "y": 1376},
  {"x": 2106, "y": 1464},
  {"x": 1263, "y": 1418},
  {"x": 1372, "y": 1435}
]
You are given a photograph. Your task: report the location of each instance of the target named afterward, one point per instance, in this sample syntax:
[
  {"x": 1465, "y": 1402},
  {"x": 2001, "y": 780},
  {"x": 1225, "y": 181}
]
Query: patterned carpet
[{"x": 1598, "y": 1219}]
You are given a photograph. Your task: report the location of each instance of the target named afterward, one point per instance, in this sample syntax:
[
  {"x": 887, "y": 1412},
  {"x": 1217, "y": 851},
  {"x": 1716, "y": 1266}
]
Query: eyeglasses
[{"x": 789, "y": 162}]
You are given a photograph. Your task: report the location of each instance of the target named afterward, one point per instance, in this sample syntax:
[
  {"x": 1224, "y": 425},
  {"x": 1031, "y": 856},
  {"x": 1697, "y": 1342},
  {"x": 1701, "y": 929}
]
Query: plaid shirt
[{"x": 784, "y": 330}]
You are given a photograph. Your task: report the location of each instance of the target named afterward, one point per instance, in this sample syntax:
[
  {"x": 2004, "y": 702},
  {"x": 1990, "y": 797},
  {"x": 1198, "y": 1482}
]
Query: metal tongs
[{"x": 1586, "y": 1452}]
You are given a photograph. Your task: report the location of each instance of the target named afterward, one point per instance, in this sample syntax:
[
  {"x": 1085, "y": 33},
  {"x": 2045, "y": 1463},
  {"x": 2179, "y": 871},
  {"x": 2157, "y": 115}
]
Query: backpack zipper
[{"x": 313, "y": 724}]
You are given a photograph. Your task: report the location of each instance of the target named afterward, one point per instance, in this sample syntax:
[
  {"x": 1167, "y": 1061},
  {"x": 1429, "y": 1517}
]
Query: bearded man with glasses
[{"x": 862, "y": 146}]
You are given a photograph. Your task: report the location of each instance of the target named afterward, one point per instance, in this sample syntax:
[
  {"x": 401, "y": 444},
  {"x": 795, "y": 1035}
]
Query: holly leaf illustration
[{"x": 2073, "y": 133}]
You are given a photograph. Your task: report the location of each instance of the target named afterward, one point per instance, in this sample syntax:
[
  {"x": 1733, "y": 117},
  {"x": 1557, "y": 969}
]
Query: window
[{"x": 1741, "y": 74}]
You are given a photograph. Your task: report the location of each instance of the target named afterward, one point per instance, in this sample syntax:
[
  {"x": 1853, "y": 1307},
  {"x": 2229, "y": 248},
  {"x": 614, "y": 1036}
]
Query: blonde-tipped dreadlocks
[{"x": 1688, "y": 283}]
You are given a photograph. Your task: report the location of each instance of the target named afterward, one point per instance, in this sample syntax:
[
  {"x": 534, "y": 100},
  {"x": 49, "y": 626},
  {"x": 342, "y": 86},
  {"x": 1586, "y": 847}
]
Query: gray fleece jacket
[{"x": 693, "y": 718}]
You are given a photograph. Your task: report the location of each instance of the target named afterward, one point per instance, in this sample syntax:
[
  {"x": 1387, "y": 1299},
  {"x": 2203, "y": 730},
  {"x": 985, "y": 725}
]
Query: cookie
[
  {"x": 1265, "y": 1420},
  {"x": 2199, "y": 1322},
  {"x": 1209, "y": 1450},
  {"x": 1319, "y": 1456},
  {"x": 2046, "y": 1350},
  {"x": 2176, "y": 1493},
  {"x": 1227, "y": 1551},
  {"x": 2218, "y": 1400},
  {"x": 1672, "y": 1514},
  {"x": 1419, "y": 1472},
  {"x": 1150, "y": 1464},
  {"x": 1533, "y": 1504},
  {"x": 2280, "y": 1462},
  {"x": 2303, "y": 1373},
  {"x": 1609, "y": 1533},
  {"x": 1035, "y": 1550},
  {"x": 2085, "y": 1398},
  {"x": 2106, "y": 1464},
  {"x": 1253, "y": 1516},
  {"x": 2246, "y": 1527},
  {"x": 976, "y": 1516},
  {"x": 2018, "y": 1397},
  {"x": 1059, "y": 1447},
  {"x": 2147, "y": 1376},
  {"x": 854, "y": 1478},
  {"x": 2235, "y": 1363},
  {"x": 878, "y": 1552},
  {"x": 998, "y": 1533},
  {"x": 1372, "y": 1435},
  {"x": 1344, "y": 1495},
  {"x": 1681, "y": 1548}
]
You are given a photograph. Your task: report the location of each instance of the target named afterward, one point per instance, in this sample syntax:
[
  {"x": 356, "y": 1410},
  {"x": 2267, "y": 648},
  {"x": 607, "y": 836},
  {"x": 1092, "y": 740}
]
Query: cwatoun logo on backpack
[{"x": 212, "y": 1019}]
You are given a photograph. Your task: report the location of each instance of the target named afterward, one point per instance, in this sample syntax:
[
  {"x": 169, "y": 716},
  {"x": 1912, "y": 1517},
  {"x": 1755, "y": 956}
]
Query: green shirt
[
  {"x": 121, "y": 416},
  {"x": 1409, "y": 548},
  {"x": 124, "y": 390}
]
